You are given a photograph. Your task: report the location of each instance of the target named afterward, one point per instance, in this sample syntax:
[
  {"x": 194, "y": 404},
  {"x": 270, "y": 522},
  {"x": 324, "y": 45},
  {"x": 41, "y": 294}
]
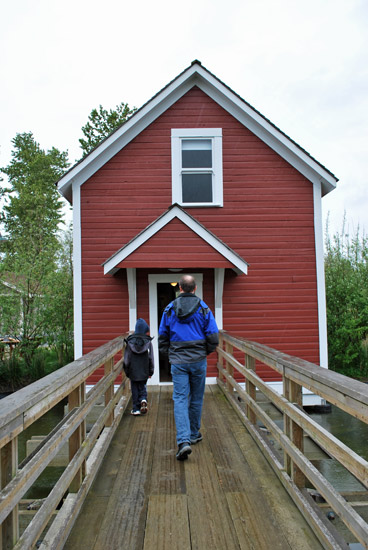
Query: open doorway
[
  {"x": 159, "y": 285},
  {"x": 166, "y": 292}
]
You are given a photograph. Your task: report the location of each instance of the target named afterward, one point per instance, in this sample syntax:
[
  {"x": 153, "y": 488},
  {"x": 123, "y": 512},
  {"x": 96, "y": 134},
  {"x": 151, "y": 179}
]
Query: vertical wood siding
[{"x": 267, "y": 218}]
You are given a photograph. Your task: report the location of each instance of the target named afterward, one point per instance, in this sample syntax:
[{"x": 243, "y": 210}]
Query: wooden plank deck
[{"x": 225, "y": 496}]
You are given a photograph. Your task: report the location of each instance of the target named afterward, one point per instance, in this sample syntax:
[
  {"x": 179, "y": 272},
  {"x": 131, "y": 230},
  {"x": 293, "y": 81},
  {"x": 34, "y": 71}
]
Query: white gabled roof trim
[
  {"x": 196, "y": 75},
  {"x": 269, "y": 134},
  {"x": 123, "y": 135},
  {"x": 239, "y": 264}
]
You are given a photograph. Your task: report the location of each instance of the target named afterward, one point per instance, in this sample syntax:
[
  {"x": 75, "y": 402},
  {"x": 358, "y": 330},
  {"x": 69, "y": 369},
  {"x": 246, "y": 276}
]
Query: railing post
[
  {"x": 287, "y": 421},
  {"x": 75, "y": 399},
  {"x": 9, "y": 465},
  {"x": 219, "y": 357},
  {"x": 109, "y": 394},
  {"x": 229, "y": 367},
  {"x": 293, "y": 392},
  {"x": 250, "y": 363}
]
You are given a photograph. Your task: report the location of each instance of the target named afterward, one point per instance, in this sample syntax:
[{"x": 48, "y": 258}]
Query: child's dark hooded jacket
[{"x": 138, "y": 357}]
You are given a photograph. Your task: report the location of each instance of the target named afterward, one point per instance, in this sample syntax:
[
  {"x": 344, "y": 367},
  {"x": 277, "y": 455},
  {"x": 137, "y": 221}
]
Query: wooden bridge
[{"x": 248, "y": 485}]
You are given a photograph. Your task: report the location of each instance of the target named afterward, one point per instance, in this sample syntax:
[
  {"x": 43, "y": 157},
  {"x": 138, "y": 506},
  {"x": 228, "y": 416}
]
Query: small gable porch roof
[{"x": 213, "y": 248}]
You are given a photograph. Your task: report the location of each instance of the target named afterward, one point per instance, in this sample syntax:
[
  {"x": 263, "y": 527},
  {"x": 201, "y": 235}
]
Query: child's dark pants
[{"x": 139, "y": 392}]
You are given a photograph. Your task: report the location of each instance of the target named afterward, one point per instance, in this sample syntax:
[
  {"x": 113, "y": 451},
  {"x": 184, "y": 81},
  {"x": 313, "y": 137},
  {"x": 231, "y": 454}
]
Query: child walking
[{"x": 139, "y": 365}]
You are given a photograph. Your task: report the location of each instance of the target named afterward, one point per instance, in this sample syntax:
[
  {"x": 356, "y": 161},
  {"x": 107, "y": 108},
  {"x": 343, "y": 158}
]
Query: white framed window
[{"x": 197, "y": 166}]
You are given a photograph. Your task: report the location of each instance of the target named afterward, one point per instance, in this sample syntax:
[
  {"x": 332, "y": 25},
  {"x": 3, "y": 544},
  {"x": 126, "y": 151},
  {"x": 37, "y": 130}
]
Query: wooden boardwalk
[{"x": 225, "y": 496}]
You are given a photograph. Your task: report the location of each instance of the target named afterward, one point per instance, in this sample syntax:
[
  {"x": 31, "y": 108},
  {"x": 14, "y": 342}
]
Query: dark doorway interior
[{"x": 166, "y": 292}]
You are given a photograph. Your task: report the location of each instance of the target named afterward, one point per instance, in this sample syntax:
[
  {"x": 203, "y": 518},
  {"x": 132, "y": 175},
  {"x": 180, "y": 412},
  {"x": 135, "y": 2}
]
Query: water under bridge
[{"x": 250, "y": 484}]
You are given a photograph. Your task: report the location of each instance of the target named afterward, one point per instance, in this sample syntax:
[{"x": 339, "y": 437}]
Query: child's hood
[{"x": 139, "y": 343}]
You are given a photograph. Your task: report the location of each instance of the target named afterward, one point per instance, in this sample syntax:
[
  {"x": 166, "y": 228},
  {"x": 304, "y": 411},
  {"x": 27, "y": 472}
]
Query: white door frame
[{"x": 153, "y": 279}]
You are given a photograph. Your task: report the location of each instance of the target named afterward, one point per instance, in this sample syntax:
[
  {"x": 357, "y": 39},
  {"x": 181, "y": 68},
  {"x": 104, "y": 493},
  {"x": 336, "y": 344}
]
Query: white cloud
[{"x": 302, "y": 64}]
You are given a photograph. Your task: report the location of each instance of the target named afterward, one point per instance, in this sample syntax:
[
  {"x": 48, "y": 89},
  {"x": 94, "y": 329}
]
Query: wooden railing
[
  {"x": 294, "y": 468},
  {"x": 86, "y": 450}
]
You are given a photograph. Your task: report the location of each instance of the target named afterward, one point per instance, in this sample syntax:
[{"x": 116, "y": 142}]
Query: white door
[{"x": 153, "y": 281}]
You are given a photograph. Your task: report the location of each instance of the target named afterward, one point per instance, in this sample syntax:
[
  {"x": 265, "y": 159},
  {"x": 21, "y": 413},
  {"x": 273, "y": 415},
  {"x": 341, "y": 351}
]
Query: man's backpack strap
[
  {"x": 204, "y": 309},
  {"x": 168, "y": 309}
]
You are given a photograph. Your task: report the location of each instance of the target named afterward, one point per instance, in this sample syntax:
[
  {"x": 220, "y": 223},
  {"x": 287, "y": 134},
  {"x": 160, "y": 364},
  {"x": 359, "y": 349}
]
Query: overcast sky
[{"x": 302, "y": 64}]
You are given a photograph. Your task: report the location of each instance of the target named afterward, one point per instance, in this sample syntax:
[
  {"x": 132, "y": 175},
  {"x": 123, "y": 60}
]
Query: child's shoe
[
  {"x": 135, "y": 413},
  {"x": 144, "y": 407}
]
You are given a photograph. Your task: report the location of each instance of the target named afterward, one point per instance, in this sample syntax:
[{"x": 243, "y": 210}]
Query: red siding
[{"x": 267, "y": 218}]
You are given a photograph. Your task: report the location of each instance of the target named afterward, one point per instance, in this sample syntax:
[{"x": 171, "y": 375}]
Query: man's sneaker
[
  {"x": 135, "y": 413},
  {"x": 144, "y": 406},
  {"x": 184, "y": 450},
  {"x": 197, "y": 439}
]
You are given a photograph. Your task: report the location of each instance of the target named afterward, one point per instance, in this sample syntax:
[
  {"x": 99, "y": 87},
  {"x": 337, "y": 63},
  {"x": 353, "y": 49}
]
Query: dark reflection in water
[
  {"x": 350, "y": 430},
  {"x": 354, "y": 434}
]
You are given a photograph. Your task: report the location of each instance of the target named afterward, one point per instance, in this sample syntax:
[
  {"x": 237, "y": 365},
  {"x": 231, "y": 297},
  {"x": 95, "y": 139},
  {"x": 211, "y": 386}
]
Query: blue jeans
[
  {"x": 189, "y": 382},
  {"x": 139, "y": 392}
]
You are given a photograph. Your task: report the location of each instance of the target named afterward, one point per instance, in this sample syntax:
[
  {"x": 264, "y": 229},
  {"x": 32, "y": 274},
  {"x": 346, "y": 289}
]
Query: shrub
[
  {"x": 11, "y": 372},
  {"x": 346, "y": 270},
  {"x": 16, "y": 372}
]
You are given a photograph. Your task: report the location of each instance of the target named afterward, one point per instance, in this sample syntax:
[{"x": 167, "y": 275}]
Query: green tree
[
  {"x": 31, "y": 216},
  {"x": 101, "y": 123},
  {"x": 58, "y": 301},
  {"x": 346, "y": 270}
]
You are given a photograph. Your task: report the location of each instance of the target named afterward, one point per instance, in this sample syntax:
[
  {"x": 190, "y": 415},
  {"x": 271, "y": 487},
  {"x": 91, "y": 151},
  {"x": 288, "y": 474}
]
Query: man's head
[{"x": 187, "y": 284}]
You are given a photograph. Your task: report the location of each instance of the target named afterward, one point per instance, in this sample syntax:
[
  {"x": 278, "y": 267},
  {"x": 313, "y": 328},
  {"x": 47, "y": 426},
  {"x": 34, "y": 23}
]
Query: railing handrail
[
  {"x": 86, "y": 451},
  {"x": 21, "y": 409},
  {"x": 310, "y": 375},
  {"x": 54, "y": 386},
  {"x": 348, "y": 394}
]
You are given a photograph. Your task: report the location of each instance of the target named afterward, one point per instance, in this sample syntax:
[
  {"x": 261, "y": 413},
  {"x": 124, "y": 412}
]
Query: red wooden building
[{"x": 198, "y": 181}]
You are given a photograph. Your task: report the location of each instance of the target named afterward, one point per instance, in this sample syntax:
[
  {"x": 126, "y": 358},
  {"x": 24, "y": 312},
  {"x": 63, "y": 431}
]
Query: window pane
[
  {"x": 196, "y": 153},
  {"x": 197, "y": 187},
  {"x": 194, "y": 144}
]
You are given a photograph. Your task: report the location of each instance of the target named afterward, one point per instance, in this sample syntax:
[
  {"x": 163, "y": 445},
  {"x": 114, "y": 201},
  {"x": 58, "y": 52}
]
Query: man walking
[{"x": 188, "y": 333}]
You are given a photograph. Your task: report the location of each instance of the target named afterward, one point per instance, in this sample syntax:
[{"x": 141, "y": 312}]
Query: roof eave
[
  {"x": 85, "y": 168},
  {"x": 267, "y": 131},
  {"x": 196, "y": 75}
]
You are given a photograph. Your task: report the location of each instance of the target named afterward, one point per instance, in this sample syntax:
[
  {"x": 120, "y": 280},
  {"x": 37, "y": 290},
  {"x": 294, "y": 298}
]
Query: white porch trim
[
  {"x": 132, "y": 291},
  {"x": 219, "y": 290}
]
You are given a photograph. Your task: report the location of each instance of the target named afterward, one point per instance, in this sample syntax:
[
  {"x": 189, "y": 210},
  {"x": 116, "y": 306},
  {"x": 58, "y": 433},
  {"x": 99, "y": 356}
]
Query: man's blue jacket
[{"x": 188, "y": 331}]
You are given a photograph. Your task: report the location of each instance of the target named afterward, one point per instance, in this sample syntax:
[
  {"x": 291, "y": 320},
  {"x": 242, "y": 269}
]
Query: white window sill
[{"x": 199, "y": 205}]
